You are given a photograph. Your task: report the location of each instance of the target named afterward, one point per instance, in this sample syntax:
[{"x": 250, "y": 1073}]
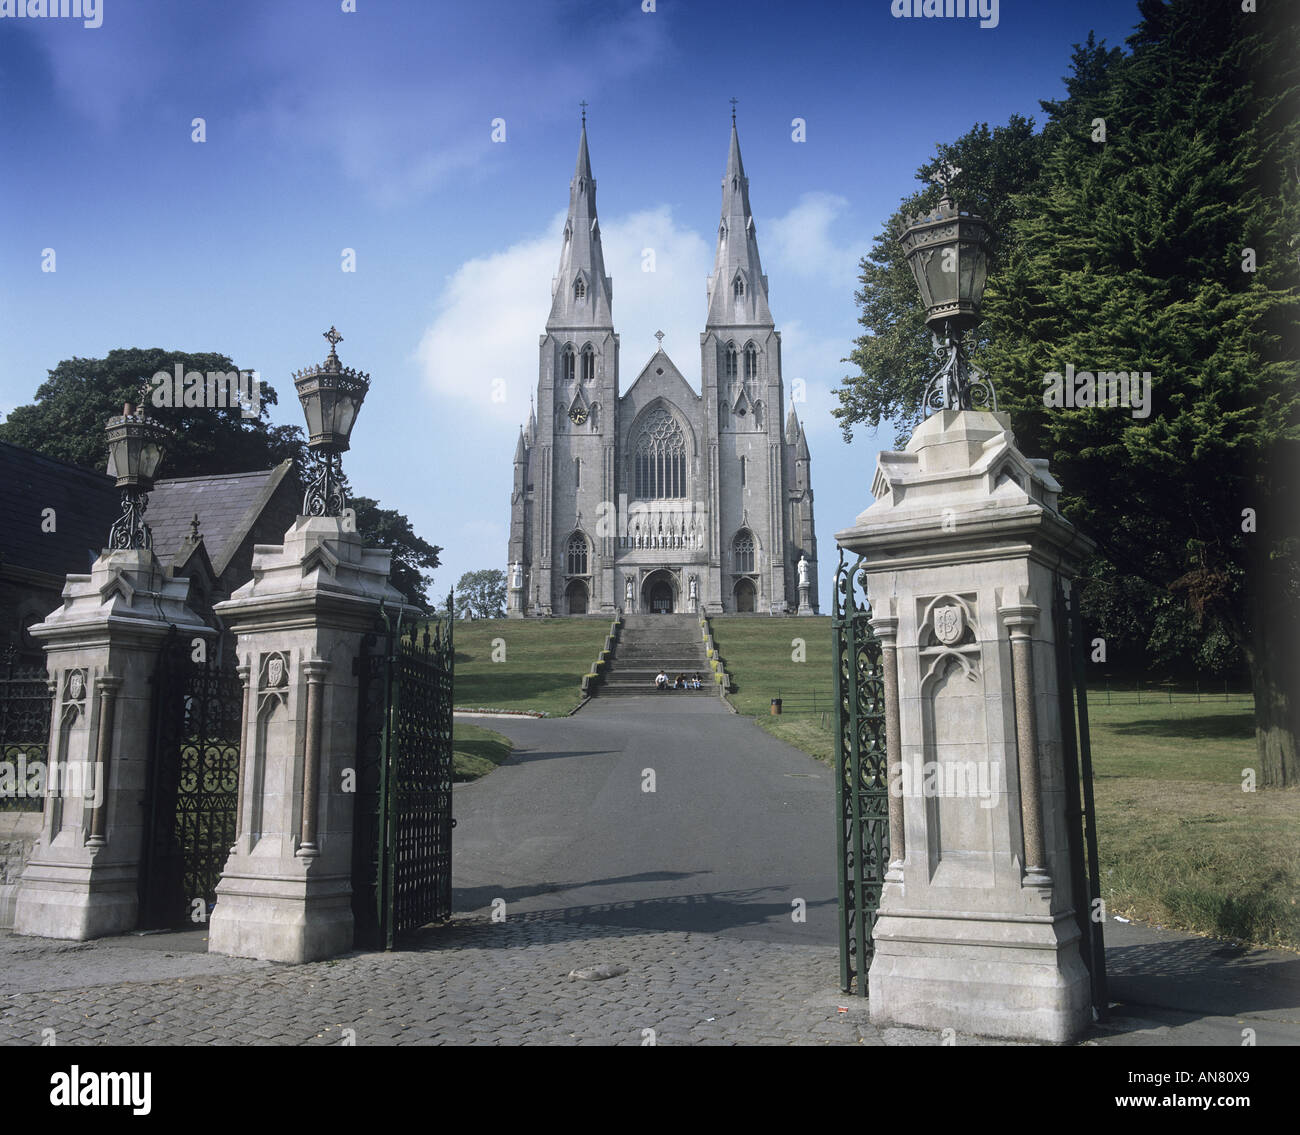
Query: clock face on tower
[{"x": 578, "y": 415}]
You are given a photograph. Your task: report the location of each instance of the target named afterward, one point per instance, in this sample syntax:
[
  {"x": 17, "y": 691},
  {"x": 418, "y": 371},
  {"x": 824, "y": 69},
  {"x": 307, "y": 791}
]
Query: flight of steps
[{"x": 650, "y": 643}]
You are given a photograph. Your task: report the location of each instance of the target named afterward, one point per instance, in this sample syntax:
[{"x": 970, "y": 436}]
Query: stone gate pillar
[
  {"x": 286, "y": 894},
  {"x": 963, "y": 547},
  {"x": 101, "y": 646}
]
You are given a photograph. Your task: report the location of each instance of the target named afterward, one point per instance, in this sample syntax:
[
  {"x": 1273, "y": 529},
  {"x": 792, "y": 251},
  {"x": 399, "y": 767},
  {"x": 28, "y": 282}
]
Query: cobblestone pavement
[
  {"x": 476, "y": 982},
  {"x": 472, "y": 982}
]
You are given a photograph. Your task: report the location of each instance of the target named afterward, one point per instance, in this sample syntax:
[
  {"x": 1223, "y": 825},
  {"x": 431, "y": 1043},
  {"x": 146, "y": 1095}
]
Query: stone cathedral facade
[{"x": 661, "y": 499}]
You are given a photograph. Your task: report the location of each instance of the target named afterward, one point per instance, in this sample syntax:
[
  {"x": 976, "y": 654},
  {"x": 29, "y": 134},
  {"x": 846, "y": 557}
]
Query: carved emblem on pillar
[{"x": 948, "y": 625}]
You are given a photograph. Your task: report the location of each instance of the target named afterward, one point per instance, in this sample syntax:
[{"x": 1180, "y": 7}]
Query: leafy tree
[
  {"x": 413, "y": 558},
  {"x": 72, "y": 405},
  {"x": 67, "y": 418},
  {"x": 481, "y": 595}
]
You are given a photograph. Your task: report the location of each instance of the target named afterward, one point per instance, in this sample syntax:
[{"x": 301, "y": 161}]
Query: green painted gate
[
  {"x": 401, "y": 865},
  {"x": 861, "y": 773}
]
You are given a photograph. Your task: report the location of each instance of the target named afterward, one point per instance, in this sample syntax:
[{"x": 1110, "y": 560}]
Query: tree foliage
[
  {"x": 1128, "y": 253},
  {"x": 66, "y": 419},
  {"x": 413, "y": 557},
  {"x": 481, "y": 595}
]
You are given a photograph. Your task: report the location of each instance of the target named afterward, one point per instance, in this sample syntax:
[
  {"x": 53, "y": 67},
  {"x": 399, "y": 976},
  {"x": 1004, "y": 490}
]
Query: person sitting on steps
[
  {"x": 661, "y": 681},
  {"x": 695, "y": 681},
  {"x": 680, "y": 682}
]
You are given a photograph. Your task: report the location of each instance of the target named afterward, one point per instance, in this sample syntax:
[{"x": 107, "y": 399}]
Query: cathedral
[{"x": 661, "y": 500}]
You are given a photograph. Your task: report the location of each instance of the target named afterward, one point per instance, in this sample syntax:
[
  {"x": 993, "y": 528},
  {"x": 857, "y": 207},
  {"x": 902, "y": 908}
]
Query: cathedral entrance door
[
  {"x": 661, "y": 599},
  {"x": 577, "y": 597},
  {"x": 745, "y": 597}
]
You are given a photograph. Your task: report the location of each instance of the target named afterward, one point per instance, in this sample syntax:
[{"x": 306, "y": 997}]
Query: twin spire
[
  {"x": 582, "y": 295},
  {"x": 737, "y": 288}
]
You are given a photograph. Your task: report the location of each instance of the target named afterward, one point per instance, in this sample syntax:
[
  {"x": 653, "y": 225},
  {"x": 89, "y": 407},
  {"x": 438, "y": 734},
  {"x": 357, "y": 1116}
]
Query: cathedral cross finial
[
  {"x": 659, "y": 335},
  {"x": 334, "y": 338},
  {"x": 733, "y": 110},
  {"x": 583, "y": 104}
]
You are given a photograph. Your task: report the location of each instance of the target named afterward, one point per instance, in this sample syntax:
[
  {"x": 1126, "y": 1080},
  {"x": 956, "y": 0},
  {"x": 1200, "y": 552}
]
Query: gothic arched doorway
[
  {"x": 745, "y": 597},
  {"x": 659, "y": 594},
  {"x": 576, "y": 597}
]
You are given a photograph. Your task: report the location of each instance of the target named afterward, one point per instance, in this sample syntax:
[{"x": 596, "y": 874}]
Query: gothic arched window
[
  {"x": 575, "y": 555},
  {"x": 579, "y": 290},
  {"x": 738, "y": 288},
  {"x": 588, "y": 364},
  {"x": 567, "y": 365},
  {"x": 731, "y": 360},
  {"x": 751, "y": 361},
  {"x": 742, "y": 552},
  {"x": 659, "y": 458}
]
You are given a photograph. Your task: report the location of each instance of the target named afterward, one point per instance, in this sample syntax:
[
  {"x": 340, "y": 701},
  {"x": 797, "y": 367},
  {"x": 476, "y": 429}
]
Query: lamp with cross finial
[
  {"x": 948, "y": 253},
  {"x": 331, "y": 396},
  {"x": 135, "y": 450}
]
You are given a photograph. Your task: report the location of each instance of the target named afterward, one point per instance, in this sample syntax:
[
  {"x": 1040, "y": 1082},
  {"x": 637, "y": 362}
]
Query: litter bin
[{"x": 776, "y": 707}]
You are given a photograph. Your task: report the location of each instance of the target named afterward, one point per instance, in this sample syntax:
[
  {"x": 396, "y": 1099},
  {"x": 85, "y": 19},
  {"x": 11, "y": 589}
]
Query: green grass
[
  {"x": 761, "y": 657},
  {"x": 541, "y": 667},
  {"x": 476, "y": 751},
  {"x": 1180, "y": 844}
]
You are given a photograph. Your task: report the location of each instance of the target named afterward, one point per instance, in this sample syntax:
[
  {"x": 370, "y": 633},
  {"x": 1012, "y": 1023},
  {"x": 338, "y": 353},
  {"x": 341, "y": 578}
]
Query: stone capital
[{"x": 1017, "y": 613}]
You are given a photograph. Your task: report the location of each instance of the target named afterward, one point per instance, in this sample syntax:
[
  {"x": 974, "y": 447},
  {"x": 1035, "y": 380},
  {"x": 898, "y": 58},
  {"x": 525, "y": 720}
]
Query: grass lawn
[
  {"x": 541, "y": 665},
  {"x": 476, "y": 751},
  {"x": 1180, "y": 843}
]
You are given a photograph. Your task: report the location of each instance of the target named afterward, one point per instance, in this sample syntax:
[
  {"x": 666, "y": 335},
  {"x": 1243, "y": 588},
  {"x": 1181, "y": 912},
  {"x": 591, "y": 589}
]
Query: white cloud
[
  {"x": 493, "y": 309},
  {"x": 802, "y": 244}
]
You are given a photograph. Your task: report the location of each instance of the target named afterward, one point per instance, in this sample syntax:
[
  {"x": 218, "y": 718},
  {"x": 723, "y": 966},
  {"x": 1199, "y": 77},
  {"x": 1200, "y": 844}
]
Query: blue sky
[{"x": 372, "y": 130}]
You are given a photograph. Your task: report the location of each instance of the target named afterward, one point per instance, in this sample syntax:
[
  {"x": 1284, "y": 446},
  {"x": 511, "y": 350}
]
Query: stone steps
[{"x": 648, "y": 644}]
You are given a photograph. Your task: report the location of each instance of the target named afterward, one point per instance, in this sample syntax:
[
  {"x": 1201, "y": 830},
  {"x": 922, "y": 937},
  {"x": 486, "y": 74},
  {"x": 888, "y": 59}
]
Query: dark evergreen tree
[{"x": 1168, "y": 248}]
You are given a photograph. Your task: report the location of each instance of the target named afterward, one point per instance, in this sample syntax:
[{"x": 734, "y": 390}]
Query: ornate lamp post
[
  {"x": 948, "y": 252},
  {"x": 135, "y": 450},
  {"x": 331, "y": 396}
]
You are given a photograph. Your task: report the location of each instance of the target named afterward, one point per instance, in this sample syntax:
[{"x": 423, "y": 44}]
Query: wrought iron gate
[
  {"x": 861, "y": 773},
  {"x": 24, "y": 729},
  {"x": 1081, "y": 822},
  {"x": 193, "y": 783},
  {"x": 401, "y": 862}
]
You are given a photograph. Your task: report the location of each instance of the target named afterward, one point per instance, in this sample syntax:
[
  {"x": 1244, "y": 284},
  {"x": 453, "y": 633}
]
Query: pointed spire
[
  {"x": 792, "y": 428},
  {"x": 521, "y": 450},
  {"x": 581, "y": 292},
  {"x": 737, "y": 288},
  {"x": 530, "y": 432},
  {"x": 801, "y": 453}
]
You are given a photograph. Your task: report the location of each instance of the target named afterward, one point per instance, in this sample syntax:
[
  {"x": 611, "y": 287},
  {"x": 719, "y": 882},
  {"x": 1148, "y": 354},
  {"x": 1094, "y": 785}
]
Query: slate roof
[
  {"x": 85, "y": 505},
  {"x": 228, "y": 504}
]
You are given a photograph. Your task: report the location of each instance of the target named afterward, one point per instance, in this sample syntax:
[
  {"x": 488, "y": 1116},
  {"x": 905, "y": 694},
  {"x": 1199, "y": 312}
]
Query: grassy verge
[
  {"x": 476, "y": 751},
  {"x": 1180, "y": 843},
  {"x": 523, "y": 663}
]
